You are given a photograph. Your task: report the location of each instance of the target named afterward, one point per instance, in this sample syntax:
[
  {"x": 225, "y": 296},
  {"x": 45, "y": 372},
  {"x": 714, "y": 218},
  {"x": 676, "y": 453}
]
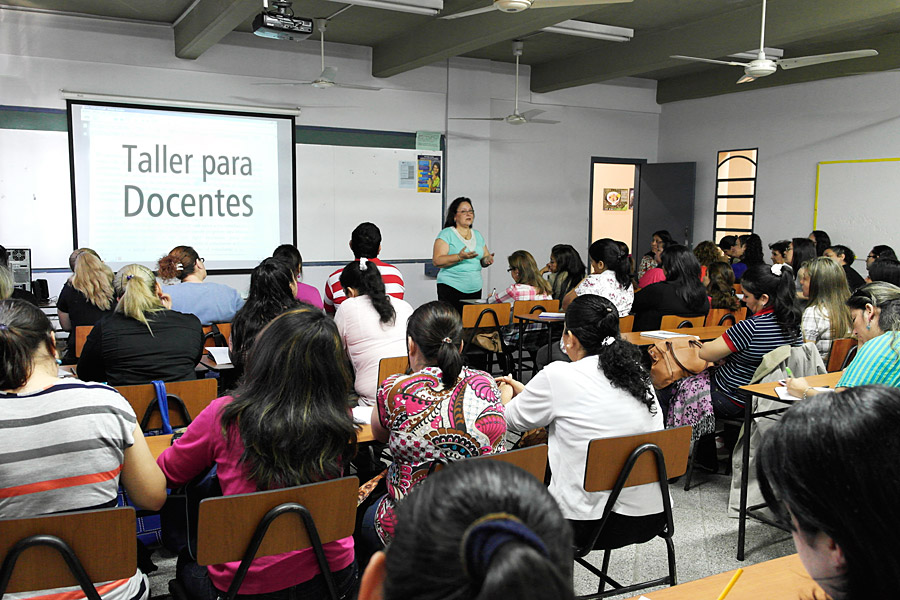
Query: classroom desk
[
  {"x": 207, "y": 362},
  {"x": 704, "y": 333},
  {"x": 158, "y": 443},
  {"x": 534, "y": 318},
  {"x": 779, "y": 579},
  {"x": 767, "y": 391}
]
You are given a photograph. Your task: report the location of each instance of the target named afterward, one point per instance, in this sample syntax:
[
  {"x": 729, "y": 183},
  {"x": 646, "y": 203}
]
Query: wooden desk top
[
  {"x": 158, "y": 443},
  {"x": 767, "y": 390},
  {"x": 704, "y": 333},
  {"x": 536, "y": 318},
  {"x": 779, "y": 579},
  {"x": 208, "y": 362}
]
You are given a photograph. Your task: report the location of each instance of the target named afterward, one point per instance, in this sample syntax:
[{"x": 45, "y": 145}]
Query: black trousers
[{"x": 454, "y": 297}]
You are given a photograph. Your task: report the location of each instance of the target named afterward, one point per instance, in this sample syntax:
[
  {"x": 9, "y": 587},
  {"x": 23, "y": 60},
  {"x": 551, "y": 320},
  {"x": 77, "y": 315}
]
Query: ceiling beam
[
  {"x": 440, "y": 39},
  {"x": 722, "y": 80},
  {"x": 208, "y": 21},
  {"x": 716, "y": 36}
]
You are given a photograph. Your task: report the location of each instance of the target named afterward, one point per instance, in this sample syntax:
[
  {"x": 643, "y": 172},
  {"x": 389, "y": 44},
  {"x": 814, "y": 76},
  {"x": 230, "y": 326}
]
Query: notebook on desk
[{"x": 664, "y": 335}]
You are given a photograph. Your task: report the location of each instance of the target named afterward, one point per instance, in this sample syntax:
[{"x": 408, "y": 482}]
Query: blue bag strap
[{"x": 163, "y": 401}]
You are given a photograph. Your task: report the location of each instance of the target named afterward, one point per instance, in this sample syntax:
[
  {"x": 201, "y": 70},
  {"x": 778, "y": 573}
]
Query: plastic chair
[
  {"x": 392, "y": 366},
  {"x": 718, "y": 317},
  {"x": 530, "y": 341},
  {"x": 676, "y": 322},
  {"x": 64, "y": 550},
  {"x": 532, "y": 459},
  {"x": 192, "y": 396},
  {"x": 81, "y": 335},
  {"x": 237, "y": 528},
  {"x": 216, "y": 334},
  {"x": 626, "y": 324},
  {"x": 616, "y": 463},
  {"x": 488, "y": 319},
  {"x": 842, "y": 352}
]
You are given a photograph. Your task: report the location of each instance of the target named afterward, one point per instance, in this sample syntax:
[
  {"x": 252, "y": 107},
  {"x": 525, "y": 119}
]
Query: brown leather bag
[{"x": 674, "y": 359}]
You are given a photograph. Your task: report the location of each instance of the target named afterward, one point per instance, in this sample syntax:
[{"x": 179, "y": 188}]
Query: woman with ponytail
[
  {"x": 444, "y": 411},
  {"x": 143, "y": 339},
  {"x": 603, "y": 392},
  {"x": 610, "y": 276},
  {"x": 86, "y": 297},
  {"x": 210, "y": 302},
  {"x": 371, "y": 323},
  {"x": 769, "y": 296},
  {"x": 491, "y": 531}
]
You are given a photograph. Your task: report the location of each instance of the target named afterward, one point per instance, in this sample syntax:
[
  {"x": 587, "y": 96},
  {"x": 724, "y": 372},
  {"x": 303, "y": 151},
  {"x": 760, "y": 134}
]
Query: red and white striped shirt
[{"x": 393, "y": 284}]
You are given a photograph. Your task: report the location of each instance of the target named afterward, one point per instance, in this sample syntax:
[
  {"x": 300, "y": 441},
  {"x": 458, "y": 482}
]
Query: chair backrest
[
  {"x": 738, "y": 289},
  {"x": 226, "y": 525},
  {"x": 527, "y": 307},
  {"x": 210, "y": 334},
  {"x": 196, "y": 395},
  {"x": 486, "y": 316},
  {"x": 676, "y": 322},
  {"x": 626, "y": 324},
  {"x": 81, "y": 334},
  {"x": 392, "y": 366},
  {"x": 839, "y": 350},
  {"x": 532, "y": 459},
  {"x": 718, "y": 317},
  {"x": 102, "y": 541},
  {"x": 606, "y": 458}
]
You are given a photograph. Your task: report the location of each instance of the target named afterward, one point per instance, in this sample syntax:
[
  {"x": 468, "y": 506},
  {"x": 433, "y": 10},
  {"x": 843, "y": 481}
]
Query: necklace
[{"x": 468, "y": 243}]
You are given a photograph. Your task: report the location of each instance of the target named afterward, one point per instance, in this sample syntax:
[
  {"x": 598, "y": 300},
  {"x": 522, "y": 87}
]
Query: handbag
[
  {"x": 675, "y": 359},
  {"x": 161, "y": 404}
]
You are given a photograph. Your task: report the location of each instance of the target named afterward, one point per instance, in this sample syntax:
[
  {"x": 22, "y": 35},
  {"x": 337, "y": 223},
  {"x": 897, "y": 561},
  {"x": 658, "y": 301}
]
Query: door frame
[{"x": 637, "y": 162}]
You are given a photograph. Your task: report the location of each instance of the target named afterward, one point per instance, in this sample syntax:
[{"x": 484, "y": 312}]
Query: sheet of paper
[
  {"x": 362, "y": 414},
  {"x": 551, "y": 315},
  {"x": 664, "y": 335},
  {"x": 782, "y": 392},
  {"x": 220, "y": 355}
]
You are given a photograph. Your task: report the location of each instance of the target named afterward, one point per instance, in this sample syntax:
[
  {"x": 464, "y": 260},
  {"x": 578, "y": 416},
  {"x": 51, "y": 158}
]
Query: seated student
[
  {"x": 800, "y": 251},
  {"x": 650, "y": 260},
  {"x": 822, "y": 241},
  {"x": 87, "y": 296},
  {"x": 442, "y": 411},
  {"x": 365, "y": 242},
  {"x": 609, "y": 277},
  {"x": 305, "y": 292},
  {"x": 53, "y": 427},
  {"x": 829, "y": 471},
  {"x": 654, "y": 274},
  {"x": 491, "y": 531},
  {"x": 527, "y": 285},
  {"x": 17, "y": 293},
  {"x": 211, "y": 302},
  {"x": 769, "y": 296},
  {"x": 826, "y": 317},
  {"x": 844, "y": 257},
  {"x": 753, "y": 251},
  {"x": 286, "y": 425},
  {"x": 875, "y": 309},
  {"x": 603, "y": 392},
  {"x": 720, "y": 286},
  {"x": 884, "y": 269},
  {"x": 779, "y": 251},
  {"x": 708, "y": 254},
  {"x": 143, "y": 339},
  {"x": 372, "y": 325},
  {"x": 272, "y": 292},
  {"x": 880, "y": 251},
  {"x": 733, "y": 248},
  {"x": 6, "y": 283},
  {"x": 682, "y": 293},
  {"x": 566, "y": 270}
]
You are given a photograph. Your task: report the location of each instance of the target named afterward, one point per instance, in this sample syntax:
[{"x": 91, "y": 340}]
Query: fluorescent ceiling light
[
  {"x": 420, "y": 7},
  {"x": 592, "y": 30},
  {"x": 754, "y": 54},
  {"x": 68, "y": 95}
]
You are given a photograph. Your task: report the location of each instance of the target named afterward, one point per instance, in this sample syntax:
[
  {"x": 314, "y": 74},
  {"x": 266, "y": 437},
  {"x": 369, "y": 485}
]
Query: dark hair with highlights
[
  {"x": 721, "y": 286},
  {"x": 570, "y": 270},
  {"x": 291, "y": 406},
  {"x": 438, "y": 514},
  {"x": 428, "y": 326},
  {"x": 180, "y": 262},
  {"x": 592, "y": 319},
  {"x": 24, "y": 330}
]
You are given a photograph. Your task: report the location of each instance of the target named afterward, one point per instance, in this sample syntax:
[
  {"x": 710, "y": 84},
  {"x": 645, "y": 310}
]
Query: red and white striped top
[{"x": 393, "y": 284}]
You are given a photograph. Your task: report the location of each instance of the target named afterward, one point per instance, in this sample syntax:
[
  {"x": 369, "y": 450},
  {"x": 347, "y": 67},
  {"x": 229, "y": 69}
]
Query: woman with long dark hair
[
  {"x": 305, "y": 292},
  {"x": 775, "y": 321},
  {"x": 650, "y": 260},
  {"x": 822, "y": 241},
  {"x": 610, "y": 276},
  {"x": 603, "y": 392},
  {"x": 86, "y": 297},
  {"x": 753, "y": 250},
  {"x": 884, "y": 269},
  {"x": 191, "y": 293},
  {"x": 371, "y": 323},
  {"x": 461, "y": 253},
  {"x": 271, "y": 293},
  {"x": 682, "y": 293},
  {"x": 829, "y": 471},
  {"x": 800, "y": 251},
  {"x": 880, "y": 251},
  {"x": 287, "y": 424},
  {"x": 443, "y": 411},
  {"x": 492, "y": 531},
  {"x": 566, "y": 270}
]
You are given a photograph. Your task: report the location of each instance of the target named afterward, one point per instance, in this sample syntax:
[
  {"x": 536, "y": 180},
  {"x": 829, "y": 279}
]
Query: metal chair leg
[{"x": 604, "y": 568}]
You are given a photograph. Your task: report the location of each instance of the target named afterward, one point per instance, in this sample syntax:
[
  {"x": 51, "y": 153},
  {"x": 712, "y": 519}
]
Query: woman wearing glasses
[
  {"x": 461, "y": 252},
  {"x": 210, "y": 302}
]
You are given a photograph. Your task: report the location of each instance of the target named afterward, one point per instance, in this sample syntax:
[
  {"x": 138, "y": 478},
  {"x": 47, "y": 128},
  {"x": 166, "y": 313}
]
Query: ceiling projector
[{"x": 281, "y": 24}]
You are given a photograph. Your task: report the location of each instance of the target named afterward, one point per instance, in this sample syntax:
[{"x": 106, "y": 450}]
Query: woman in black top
[
  {"x": 86, "y": 297},
  {"x": 682, "y": 293}
]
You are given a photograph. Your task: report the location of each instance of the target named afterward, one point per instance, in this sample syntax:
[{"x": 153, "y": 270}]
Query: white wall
[
  {"x": 794, "y": 127},
  {"x": 530, "y": 184}
]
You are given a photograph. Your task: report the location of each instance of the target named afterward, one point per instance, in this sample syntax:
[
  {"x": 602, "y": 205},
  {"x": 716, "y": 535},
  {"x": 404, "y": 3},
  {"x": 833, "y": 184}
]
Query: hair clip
[
  {"x": 128, "y": 277},
  {"x": 447, "y": 340},
  {"x": 179, "y": 266},
  {"x": 776, "y": 269},
  {"x": 4, "y": 327},
  {"x": 363, "y": 261},
  {"x": 608, "y": 340}
]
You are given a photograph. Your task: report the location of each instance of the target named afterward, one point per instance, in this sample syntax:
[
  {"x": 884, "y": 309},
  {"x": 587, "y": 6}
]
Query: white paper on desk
[
  {"x": 664, "y": 335},
  {"x": 220, "y": 355},
  {"x": 551, "y": 315},
  {"x": 362, "y": 414},
  {"x": 64, "y": 373},
  {"x": 783, "y": 393}
]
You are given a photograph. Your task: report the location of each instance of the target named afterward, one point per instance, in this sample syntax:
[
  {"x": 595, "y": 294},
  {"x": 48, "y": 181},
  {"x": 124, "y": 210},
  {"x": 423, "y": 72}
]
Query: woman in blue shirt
[{"x": 461, "y": 252}]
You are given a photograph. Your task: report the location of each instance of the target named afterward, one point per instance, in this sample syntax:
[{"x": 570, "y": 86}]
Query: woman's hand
[
  {"x": 509, "y": 388},
  {"x": 166, "y": 300},
  {"x": 487, "y": 259},
  {"x": 463, "y": 255},
  {"x": 799, "y": 386}
]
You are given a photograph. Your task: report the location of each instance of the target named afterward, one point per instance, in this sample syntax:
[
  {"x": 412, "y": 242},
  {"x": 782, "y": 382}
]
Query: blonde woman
[
  {"x": 6, "y": 283},
  {"x": 527, "y": 281},
  {"x": 143, "y": 339},
  {"x": 827, "y": 316},
  {"x": 86, "y": 297}
]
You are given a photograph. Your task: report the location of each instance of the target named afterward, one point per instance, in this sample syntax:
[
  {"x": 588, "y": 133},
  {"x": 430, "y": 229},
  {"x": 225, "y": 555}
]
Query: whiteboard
[
  {"x": 339, "y": 187},
  {"x": 858, "y": 203}
]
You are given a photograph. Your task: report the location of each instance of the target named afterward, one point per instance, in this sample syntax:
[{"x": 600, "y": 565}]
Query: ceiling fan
[
  {"x": 512, "y": 6},
  {"x": 326, "y": 77},
  {"x": 516, "y": 118},
  {"x": 762, "y": 66}
]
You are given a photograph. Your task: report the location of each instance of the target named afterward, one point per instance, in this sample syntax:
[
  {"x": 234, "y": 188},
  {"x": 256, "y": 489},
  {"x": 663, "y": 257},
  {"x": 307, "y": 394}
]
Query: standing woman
[
  {"x": 609, "y": 276},
  {"x": 210, "y": 302},
  {"x": 305, "y": 292},
  {"x": 461, "y": 252},
  {"x": 372, "y": 325},
  {"x": 86, "y": 297},
  {"x": 566, "y": 270},
  {"x": 826, "y": 317},
  {"x": 650, "y": 260},
  {"x": 286, "y": 425}
]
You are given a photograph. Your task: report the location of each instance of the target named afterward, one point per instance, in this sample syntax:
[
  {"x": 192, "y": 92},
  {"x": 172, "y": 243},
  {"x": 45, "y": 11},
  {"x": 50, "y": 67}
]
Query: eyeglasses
[
  {"x": 466, "y": 212},
  {"x": 511, "y": 269},
  {"x": 871, "y": 256},
  {"x": 203, "y": 260}
]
